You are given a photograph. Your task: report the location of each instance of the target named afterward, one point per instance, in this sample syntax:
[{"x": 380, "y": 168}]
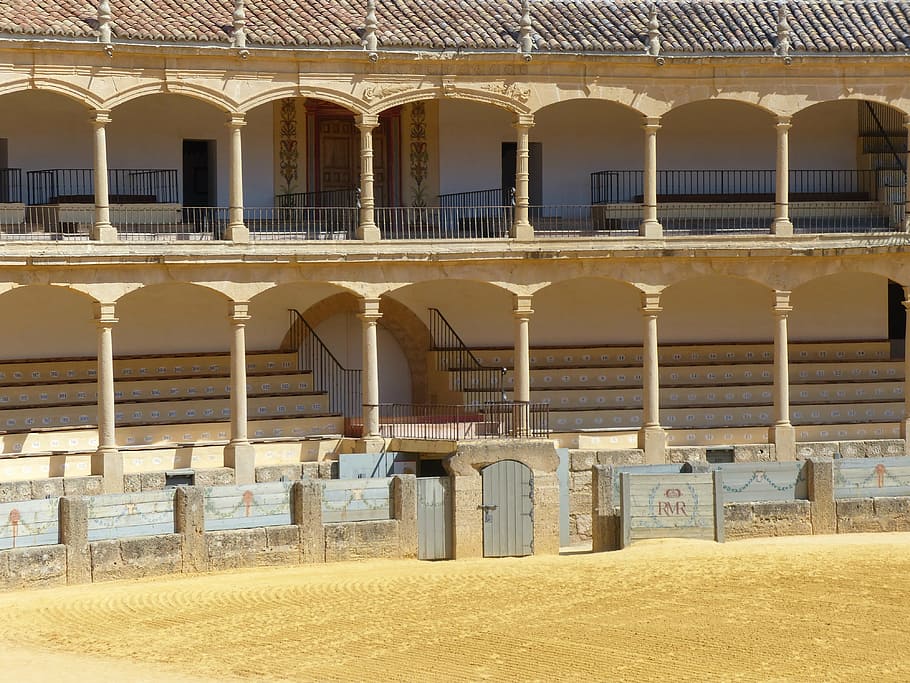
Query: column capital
[
  {"x": 782, "y": 305},
  {"x": 521, "y": 305},
  {"x": 652, "y": 123},
  {"x": 366, "y": 122},
  {"x": 105, "y": 314},
  {"x": 236, "y": 120},
  {"x": 650, "y": 303},
  {"x": 523, "y": 120},
  {"x": 369, "y": 309},
  {"x": 100, "y": 117},
  {"x": 784, "y": 122},
  {"x": 239, "y": 311}
]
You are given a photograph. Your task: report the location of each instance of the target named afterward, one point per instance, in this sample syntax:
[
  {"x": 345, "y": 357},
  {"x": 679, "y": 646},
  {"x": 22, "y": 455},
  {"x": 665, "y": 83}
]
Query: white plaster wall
[
  {"x": 587, "y": 312},
  {"x": 840, "y": 307},
  {"x": 580, "y": 137},
  {"x": 47, "y": 322},
  {"x": 149, "y": 133},
  {"x": 481, "y": 314},
  {"x": 172, "y": 318},
  {"x": 270, "y": 319},
  {"x": 343, "y": 336},
  {"x": 470, "y": 145},
  {"x": 824, "y": 136},
  {"x": 709, "y": 310},
  {"x": 45, "y": 131}
]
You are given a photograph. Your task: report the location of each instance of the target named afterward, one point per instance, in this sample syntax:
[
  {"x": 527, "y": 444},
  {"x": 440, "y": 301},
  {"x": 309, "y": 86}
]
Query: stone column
[
  {"x": 907, "y": 197},
  {"x": 239, "y": 453},
  {"x": 107, "y": 460},
  {"x": 367, "y": 230},
  {"x": 236, "y": 229},
  {"x": 370, "y": 315},
  {"x": 905, "y": 425},
  {"x": 782, "y": 433},
  {"x": 102, "y": 230},
  {"x": 521, "y": 395},
  {"x": 521, "y": 223},
  {"x": 403, "y": 501},
  {"x": 782, "y": 224},
  {"x": 650, "y": 226},
  {"x": 652, "y": 438},
  {"x": 72, "y": 517}
]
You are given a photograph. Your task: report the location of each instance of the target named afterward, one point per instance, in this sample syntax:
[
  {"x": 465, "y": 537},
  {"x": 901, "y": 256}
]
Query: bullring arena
[{"x": 824, "y": 608}]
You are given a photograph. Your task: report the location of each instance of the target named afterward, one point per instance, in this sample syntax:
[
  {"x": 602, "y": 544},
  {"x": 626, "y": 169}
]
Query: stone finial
[
  {"x": 238, "y": 37},
  {"x": 525, "y": 41},
  {"x": 370, "y": 42},
  {"x": 783, "y": 31},
  {"x": 653, "y": 32},
  {"x": 104, "y": 26}
]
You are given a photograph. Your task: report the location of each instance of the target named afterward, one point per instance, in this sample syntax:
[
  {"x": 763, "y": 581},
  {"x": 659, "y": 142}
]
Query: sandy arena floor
[{"x": 824, "y": 608}]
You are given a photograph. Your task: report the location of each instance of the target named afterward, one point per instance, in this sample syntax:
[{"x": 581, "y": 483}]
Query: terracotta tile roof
[{"x": 719, "y": 26}]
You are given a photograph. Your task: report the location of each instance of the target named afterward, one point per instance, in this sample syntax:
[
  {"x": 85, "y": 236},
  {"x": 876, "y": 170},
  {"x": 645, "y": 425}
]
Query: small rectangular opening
[
  {"x": 174, "y": 478},
  {"x": 719, "y": 455}
]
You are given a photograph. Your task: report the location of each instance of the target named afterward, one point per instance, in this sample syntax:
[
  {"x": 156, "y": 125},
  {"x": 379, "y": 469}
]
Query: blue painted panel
[
  {"x": 370, "y": 465},
  {"x": 238, "y": 507},
  {"x": 147, "y": 513},
  {"x": 747, "y": 482},
  {"x": 871, "y": 477},
  {"x": 29, "y": 523},
  {"x": 352, "y": 500}
]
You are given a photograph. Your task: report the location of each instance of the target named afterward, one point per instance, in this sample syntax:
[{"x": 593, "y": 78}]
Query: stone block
[
  {"x": 189, "y": 523},
  {"x": 817, "y": 449},
  {"x": 738, "y": 513},
  {"x": 404, "y": 509},
  {"x": 152, "y": 481},
  {"x": 624, "y": 456},
  {"x": 215, "y": 476},
  {"x": 820, "y": 486},
  {"x": 583, "y": 524},
  {"x": 129, "y": 558},
  {"x": 310, "y": 470},
  {"x": 83, "y": 486},
  {"x": 278, "y": 473},
  {"x": 47, "y": 488},
  {"x": 754, "y": 453},
  {"x": 893, "y": 513},
  {"x": 580, "y": 503},
  {"x": 241, "y": 457},
  {"x": 877, "y": 448},
  {"x": 283, "y": 537},
  {"x": 361, "y": 540},
  {"x": 73, "y": 529},
  {"x": 582, "y": 460},
  {"x": 604, "y": 522},
  {"x": 328, "y": 469},
  {"x": 306, "y": 513},
  {"x": 13, "y": 491},
  {"x": 132, "y": 483},
  {"x": 580, "y": 481},
  {"x": 857, "y": 515},
  {"x": 235, "y": 548},
  {"x": 683, "y": 454},
  {"x": 43, "y": 565}
]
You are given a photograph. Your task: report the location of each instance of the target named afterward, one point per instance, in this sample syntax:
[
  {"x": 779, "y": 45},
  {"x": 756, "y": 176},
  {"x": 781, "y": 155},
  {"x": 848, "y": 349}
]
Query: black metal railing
[
  {"x": 349, "y": 198},
  {"x": 735, "y": 185},
  {"x": 10, "y": 185},
  {"x": 453, "y": 222},
  {"x": 497, "y": 196},
  {"x": 301, "y": 223},
  {"x": 342, "y": 385},
  {"x": 125, "y": 186},
  {"x": 466, "y": 373},
  {"x": 462, "y": 422}
]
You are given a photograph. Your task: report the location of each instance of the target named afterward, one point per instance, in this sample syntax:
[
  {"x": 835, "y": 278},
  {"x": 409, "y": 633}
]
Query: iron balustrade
[
  {"x": 343, "y": 385},
  {"x": 10, "y": 186},
  {"x": 303, "y": 223},
  {"x": 459, "y": 422},
  {"x": 125, "y": 186},
  {"x": 46, "y": 223},
  {"x": 454, "y": 222},
  {"x": 349, "y": 198},
  {"x": 162, "y": 223},
  {"x": 734, "y": 185},
  {"x": 497, "y": 196},
  {"x": 884, "y": 131},
  {"x": 604, "y": 220},
  {"x": 467, "y": 374}
]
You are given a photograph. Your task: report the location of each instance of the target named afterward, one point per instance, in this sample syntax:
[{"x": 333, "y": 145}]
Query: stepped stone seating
[
  {"x": 717, "y": 393},
  {"x": 50, "y": 405}
]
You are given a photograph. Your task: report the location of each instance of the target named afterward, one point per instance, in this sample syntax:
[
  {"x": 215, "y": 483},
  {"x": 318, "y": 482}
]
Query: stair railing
[{"x": 480, "y": 384}]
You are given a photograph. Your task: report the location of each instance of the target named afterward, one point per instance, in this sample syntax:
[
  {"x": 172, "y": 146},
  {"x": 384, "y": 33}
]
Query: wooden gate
[
  {"x": 508, "y": 510},
  {"x": 434, "y": 518}
]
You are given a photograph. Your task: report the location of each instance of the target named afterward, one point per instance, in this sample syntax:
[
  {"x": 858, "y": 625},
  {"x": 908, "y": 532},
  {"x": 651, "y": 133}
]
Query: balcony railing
[
  {"x": 301, "y": 223},
  {"x": 125, "y": 186},
  {"x": 555, "y": 221},
  {"x": 155, "y": 224},
  {"x": 461, "y": 422},
  {"x": 432, "y": 222},
  {"x": 497, "y": 196},
  {"x": 45, "y": 223},
  {"x": 10, "y": 186},
  {"x": 349, "y": 198},
  {"x": 735, "y": 185}
]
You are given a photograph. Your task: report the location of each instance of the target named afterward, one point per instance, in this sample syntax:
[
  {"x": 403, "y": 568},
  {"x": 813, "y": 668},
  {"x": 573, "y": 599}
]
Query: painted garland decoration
[
  {"x": 287, "y": 148},
  {"x": 419, "y": 156}
]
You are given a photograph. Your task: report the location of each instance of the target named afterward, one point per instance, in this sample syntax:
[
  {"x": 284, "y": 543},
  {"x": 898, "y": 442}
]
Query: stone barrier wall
[{"x": 73, "y": 558}]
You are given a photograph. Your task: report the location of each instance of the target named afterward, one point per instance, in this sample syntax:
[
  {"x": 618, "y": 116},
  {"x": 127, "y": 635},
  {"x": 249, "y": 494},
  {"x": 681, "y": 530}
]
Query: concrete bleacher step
[
  {"x": 177, "y": 365},
  {"x": 150, "y": 388}
]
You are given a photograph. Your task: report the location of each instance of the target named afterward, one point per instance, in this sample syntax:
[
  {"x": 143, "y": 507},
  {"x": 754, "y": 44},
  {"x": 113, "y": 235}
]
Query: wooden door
[
  {"x": 508, "y": 509},
  {"x": 339, "y": 156}
]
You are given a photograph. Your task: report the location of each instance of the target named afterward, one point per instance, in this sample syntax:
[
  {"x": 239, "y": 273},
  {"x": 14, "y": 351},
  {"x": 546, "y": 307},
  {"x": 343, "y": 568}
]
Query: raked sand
[{"x": 815, "y": 608}]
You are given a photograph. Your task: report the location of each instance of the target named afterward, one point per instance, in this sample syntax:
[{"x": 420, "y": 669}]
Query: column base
[
  {"x": 104, "y": 232},
  {"x": 237, "y": 233},
  {"x": 241, "y": 457},
  {"x": 371, "y": 444},
  {"x": 369, "y": 233},
  {"x": 782, "y": 227},
  {"x": 784, "y": 439},
  {"x": 651, "y": 229},
  {"x": 522, "y": 231},
  {"x": 109, "y": 464},
  {"x": 653, "y": 441}
]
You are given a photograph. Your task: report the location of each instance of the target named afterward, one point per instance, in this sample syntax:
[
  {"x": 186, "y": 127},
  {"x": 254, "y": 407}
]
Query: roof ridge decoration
[
  {"x": 370, "y": 41},
  {"x": 104, "y": 27},
  {"x": 525, "y": 39},
  {"x": 783, "y": 32},
  {"x": 238, "y": 35},
  {"x": 653, "y": 48}
]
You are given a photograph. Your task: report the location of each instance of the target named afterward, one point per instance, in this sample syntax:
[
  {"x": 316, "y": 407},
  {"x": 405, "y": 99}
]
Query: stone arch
[
  {"x": 81, "y": 95},
  {"x": 839, "y": 306},
  {"x": 853, "y": 96},
  {"x": 342, "y": 99},
  {"x": 699, "y": 97},
  {"x": 49, "y": 321},
  {"x": 460, "y": 92},
  {"x": 594, "y": 99},
  {"x": 199, "y": 92}
]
